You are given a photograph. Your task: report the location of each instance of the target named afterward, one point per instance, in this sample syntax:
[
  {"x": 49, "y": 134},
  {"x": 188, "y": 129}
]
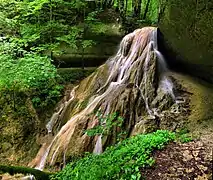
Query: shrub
[
  {"x": 122, "y": 161},
  {"x": 32, "y": 74}
]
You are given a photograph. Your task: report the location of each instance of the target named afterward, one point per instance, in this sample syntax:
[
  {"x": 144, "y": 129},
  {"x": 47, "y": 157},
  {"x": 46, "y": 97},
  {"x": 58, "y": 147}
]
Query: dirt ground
[{"x": 188, "y": 161}]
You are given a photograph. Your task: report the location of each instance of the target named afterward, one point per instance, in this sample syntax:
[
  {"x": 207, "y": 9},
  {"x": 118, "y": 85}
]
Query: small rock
[
  {"x": 203, "y": 177},
  {"x": 195, "y": 153},
  {"x": 189, "y": 170},
  {"x": 172, "y": 169},
  {"x": 199, "y": 143},
  {"x": 187, "y": 155},
  {"x": 197, "y": 159},
  {"x": 202, "y": 168}
]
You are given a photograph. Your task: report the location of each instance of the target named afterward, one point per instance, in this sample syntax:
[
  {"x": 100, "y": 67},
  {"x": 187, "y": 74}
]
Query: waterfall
[
  {"x": 133, "y": 81},
  {"x": 98, "y": 145},
  {"x": 41, "y": 164},
  {"x": 53, "y": 120},
  {"x": 56, "y": 117},
  {"x": 59, "y": 114}
]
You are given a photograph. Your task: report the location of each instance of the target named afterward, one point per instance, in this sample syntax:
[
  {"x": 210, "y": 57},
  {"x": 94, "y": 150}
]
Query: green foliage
[
  {"x": 106, "y": 123},
  {"x": 183, "y": 136},
  {"x": 122, "y": 161},
  {"x": 39, "y": 24},
  {"x": 30, "y": 73},
  {"x": 153, "y": 11},
  {"x": 42, "y": 25}
]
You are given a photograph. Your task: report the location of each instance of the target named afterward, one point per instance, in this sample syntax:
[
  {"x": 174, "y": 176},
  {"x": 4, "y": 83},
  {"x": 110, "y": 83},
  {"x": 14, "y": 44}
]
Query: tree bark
[
  {"x": 136, "y": 6},
  {"x": 146, "y": 9}
]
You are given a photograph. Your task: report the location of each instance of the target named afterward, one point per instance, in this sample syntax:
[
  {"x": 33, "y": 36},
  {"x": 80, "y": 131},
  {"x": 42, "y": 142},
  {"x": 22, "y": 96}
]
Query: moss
[
  {"x": 12, "y": 170},
  {"x": 19, "y": 124},
  {"x": 201, "y": 103},
  {"x": 187, "y": 27},
  {"x": 84, "y": 103}
]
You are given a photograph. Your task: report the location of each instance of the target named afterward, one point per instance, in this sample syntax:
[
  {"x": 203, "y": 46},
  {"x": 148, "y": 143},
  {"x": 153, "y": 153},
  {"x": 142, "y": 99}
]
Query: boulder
[{"x": 187, "y": 29}]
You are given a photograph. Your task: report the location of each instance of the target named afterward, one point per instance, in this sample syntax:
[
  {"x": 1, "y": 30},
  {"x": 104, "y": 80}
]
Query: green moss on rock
[
  {"x": 12, "y": 170},
  {"x": 187, "y": 27}
]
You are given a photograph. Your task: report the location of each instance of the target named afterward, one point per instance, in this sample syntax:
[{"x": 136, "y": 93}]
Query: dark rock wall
[{"x": 187, "y": 28}]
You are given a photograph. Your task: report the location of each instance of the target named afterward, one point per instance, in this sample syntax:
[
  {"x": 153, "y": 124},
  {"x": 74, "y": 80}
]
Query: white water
[
  {"x": 59, "y": 114},
  {"x": 146, "y": 100},
  {"x": 29, "y": 177},
  {"x": 54, "y": 119},
  {"x": 98, "y": 146},
  {"x": 167, "y": 86},
  {"x": 165, "y": 83},
  {"x": 42, "y": 162}
]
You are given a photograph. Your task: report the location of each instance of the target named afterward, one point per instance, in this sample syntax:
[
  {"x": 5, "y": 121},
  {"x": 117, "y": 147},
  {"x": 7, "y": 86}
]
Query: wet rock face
[
  {"x": 187, "y": 27},
  {"x": 135, "y": 84}
]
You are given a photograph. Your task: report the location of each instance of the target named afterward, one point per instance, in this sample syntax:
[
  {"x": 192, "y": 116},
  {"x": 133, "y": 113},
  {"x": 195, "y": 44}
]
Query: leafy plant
[
  {"x": 32, "y": 74},
  {"x": 183, "y": 136},
  {"x": 106, "y": 123},
  {"x": 122, "y": 161}
]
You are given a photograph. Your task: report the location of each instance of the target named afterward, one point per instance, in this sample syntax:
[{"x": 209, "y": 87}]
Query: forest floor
[
  {"x": 187, "y": 161},
  {"x": 192, "y": 160}
]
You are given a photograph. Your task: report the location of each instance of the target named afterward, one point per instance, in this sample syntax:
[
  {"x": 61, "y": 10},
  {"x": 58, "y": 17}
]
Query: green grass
[{"x": 122, "y": 161}]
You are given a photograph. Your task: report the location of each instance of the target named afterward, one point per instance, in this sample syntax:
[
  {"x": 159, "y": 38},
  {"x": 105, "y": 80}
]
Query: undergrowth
[
  {"x": 31, "y": 74},
  {"x": 122, "y": 161}
]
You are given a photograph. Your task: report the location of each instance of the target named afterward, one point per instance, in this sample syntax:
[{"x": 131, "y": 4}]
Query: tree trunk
[
  {"x": 162, "y": 7},
  {"x": 51, "y": 31},
  {"x": 121, "y": 10},
  {"x": 146, "y": 9},
  {"x": 136, "y": 6}
]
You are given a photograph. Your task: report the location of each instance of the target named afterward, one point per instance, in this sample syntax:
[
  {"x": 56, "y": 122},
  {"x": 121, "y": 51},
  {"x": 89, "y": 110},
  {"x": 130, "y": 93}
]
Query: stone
[
  {"x": 195, "y": 153},
  {"x": 202, "y": 168},
  {"x": 187, "y": 29},
  {"x": 187, "y": 155}
]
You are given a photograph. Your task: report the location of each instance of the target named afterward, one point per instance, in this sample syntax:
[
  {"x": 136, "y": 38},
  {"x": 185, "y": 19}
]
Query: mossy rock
[
  {"x": 12, "y": 170},
  {"x": 187, "y": 27},
  {"x": 200, "y": 120},
  {"x": 105, "y": 45}
]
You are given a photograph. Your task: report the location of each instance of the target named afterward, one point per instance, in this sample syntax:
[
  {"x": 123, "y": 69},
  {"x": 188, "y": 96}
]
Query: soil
[{"x": 188, "y": 161}]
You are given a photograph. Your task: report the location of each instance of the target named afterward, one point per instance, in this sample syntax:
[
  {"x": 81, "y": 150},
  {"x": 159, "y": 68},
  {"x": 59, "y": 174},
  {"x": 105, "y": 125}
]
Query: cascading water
[
  {"x": 98, "y": 145},
  {"x": 137, "y": 83},
  {"x": 40, "y": 159},
  {"x": 59, "y": 114}
]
